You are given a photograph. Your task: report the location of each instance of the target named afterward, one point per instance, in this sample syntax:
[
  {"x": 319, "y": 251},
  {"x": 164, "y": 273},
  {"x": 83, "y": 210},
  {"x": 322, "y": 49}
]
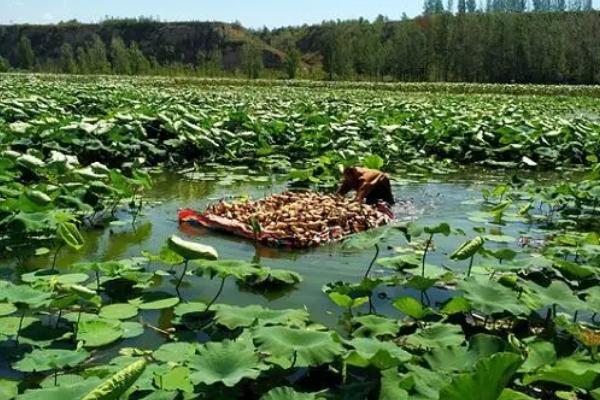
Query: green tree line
[{"x": 542, "y": 41}]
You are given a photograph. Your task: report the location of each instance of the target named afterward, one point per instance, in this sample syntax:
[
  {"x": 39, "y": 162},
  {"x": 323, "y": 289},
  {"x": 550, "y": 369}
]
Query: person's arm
[{"x": 348, "y": 184}]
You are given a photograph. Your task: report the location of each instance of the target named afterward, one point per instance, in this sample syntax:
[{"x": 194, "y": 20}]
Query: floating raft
[{"x": 291, "y": 219}]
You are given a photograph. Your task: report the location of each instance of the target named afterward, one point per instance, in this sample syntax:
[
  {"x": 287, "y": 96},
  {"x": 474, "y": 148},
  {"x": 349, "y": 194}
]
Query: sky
[{"x": 251, "y": 13}]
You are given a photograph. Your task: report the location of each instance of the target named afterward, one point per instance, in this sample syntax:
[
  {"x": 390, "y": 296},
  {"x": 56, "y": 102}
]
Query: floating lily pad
[{"x": 119, "y": 311}]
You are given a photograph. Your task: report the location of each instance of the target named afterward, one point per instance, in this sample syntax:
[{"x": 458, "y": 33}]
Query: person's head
[{"x": 350, "y": 172}]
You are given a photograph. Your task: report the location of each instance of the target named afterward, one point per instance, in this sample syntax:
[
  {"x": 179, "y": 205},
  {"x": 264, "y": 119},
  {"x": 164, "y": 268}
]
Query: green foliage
[
  {"x": 227, "y": 362},
  {"x": 292, "y": 62},
  {"x": 252, "y": 60},
  {"x": 4, "y": 65},
  {"x": 25, "y": 54}
]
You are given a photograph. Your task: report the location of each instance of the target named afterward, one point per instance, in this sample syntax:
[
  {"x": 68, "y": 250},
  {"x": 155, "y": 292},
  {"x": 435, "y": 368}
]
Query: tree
[
  {"x": 119, "y": 56},
  {"x": 214, "y": 62},
  {"x": 462, "y": 6},
  {"x": 83, "y": 61},
  {"x": 96, "y": 57},
  {"x": 337, "y": 53},
  {"x": 25, "y": 55},
  {"x": 433, "y": 7},
  {"x": 67, "y": 59},
  {"x": 252, "y": 62},
  {"x": 471, "y": 6},
  {"x": 138, "y": 61},
  {"x": 4, "y": 65},
  {"x": 292, "y": 62}
]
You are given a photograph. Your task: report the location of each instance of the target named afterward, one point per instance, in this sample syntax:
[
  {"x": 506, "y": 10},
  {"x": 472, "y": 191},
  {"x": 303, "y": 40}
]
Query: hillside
[
  {"x": 171, "y": 42},
  {"x": 549, "y": 47}
]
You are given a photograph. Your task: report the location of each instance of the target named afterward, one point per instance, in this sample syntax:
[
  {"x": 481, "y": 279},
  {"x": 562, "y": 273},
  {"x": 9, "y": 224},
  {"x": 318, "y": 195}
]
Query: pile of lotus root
[{"x": 297, "y": 219}]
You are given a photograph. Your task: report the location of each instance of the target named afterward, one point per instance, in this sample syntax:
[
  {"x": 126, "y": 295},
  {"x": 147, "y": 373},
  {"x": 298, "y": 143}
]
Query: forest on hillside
[{"x": 501, "y": 41}]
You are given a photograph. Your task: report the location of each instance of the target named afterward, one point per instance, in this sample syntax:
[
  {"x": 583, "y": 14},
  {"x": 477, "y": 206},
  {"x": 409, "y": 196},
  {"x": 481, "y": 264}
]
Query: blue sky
[{"x": 251, "y": 13}]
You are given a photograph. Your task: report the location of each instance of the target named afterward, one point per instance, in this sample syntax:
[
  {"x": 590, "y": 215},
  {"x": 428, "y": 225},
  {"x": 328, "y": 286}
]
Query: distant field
[{"x": 183, "y": 120}]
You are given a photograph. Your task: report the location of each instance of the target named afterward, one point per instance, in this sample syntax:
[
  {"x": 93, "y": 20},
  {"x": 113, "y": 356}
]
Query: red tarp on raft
[{"x": 238, "y": 228}]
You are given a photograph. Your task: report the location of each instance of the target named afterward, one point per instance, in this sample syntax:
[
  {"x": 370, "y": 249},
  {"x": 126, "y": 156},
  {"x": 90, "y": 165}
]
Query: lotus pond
[{"x": 485, "y": 288}]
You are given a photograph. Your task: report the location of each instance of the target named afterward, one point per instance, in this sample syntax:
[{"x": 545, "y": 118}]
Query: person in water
[{"x": 371, "y": 185}]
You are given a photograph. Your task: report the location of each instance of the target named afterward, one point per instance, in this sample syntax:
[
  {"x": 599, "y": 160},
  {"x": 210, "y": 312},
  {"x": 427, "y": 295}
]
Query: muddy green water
[{"x": 430, "y": 202}]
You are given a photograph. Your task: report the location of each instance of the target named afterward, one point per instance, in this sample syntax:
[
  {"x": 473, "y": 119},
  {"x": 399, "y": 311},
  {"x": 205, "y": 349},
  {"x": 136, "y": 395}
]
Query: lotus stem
[
  {"x": 76, "y": 328},
  {"x": 58, "y": 318},
  {"x": 294, "y": 359},
  {"x": 575, "y": 316},
  {"x": 19, "y": 328},
  {"x": 185, "y": 267},
  {"x": 470, "y": 266},
  {"x": 425, "y": 254},
  {"x": 217, "y": 295},
  {"x": 97, "y": 281},
  {"x": 372, "y": 261},
  {"x": 56, "y": 377},
  {"x": 55, "y": 256}
]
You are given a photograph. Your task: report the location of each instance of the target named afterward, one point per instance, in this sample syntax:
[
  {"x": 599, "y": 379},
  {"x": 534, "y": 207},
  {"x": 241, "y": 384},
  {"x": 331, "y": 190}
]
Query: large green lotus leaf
[
  {"x": 286, "y": 393},
  {"x": 558, "y": 293},
  {"x": 490, "y": 297},
  {"x": 401, "y": 262},
  {"x": 175, "y": 352},
  {"x": 450, "y": 359},
  {"x": 192, "y": 250},
  {"x": 411, "y": 307},
  {"x": 467, "y": 249},
  {"x": 50, "y": 359},
  {"x": 366, "y": 240},
  {"x": 391, "y": 386},
  {"x": 9, "y": 326},
  {"x": 165, "y": 256},
  {"x": 310, "y": 348},
  {"x": 177, "y": 379},
  {"x": 456, "y": 305},
  {"x": 574, "y": 371},
  {"x": 226, "y": 362},
  {"x": 234, "y": 317},
  {"x": 592, "y": 298},
  {"x": 156, "y": 301},
  {"x": 99, "y": 333},
  {"x": 8, "y": 389},
  {"x": 65, "y": 279},
  {"x": 75, "y": 391},
  {"x": 160, "y": 395},
  {"x": 30, "y": 222},
  {"x": 382, "y": 355},
  {"x": 539, "y": 354},
  {"x": 272, "y": 278},
  {"x": 225, "y": 268},
  {"x": 189, "y": 308},
  {"x": 460, "y": 359},
  {"x": 486, "y": 382},
  {"x": 132, "y": 329},
  {"x": 346, "y": 301},
  {"x": 61, "y": 380},
  {"x": 42, "y": 335},
  {"x": 119, "y": 311},
  {"x": 375, "y": 326},
  {"x": 7, "y": 309},
  {"x": 509, "y": 394},
  {"x": 436, "y": 335},
  {"x": 427, "y": 383},
  {"x": 24, "y": 294}
]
